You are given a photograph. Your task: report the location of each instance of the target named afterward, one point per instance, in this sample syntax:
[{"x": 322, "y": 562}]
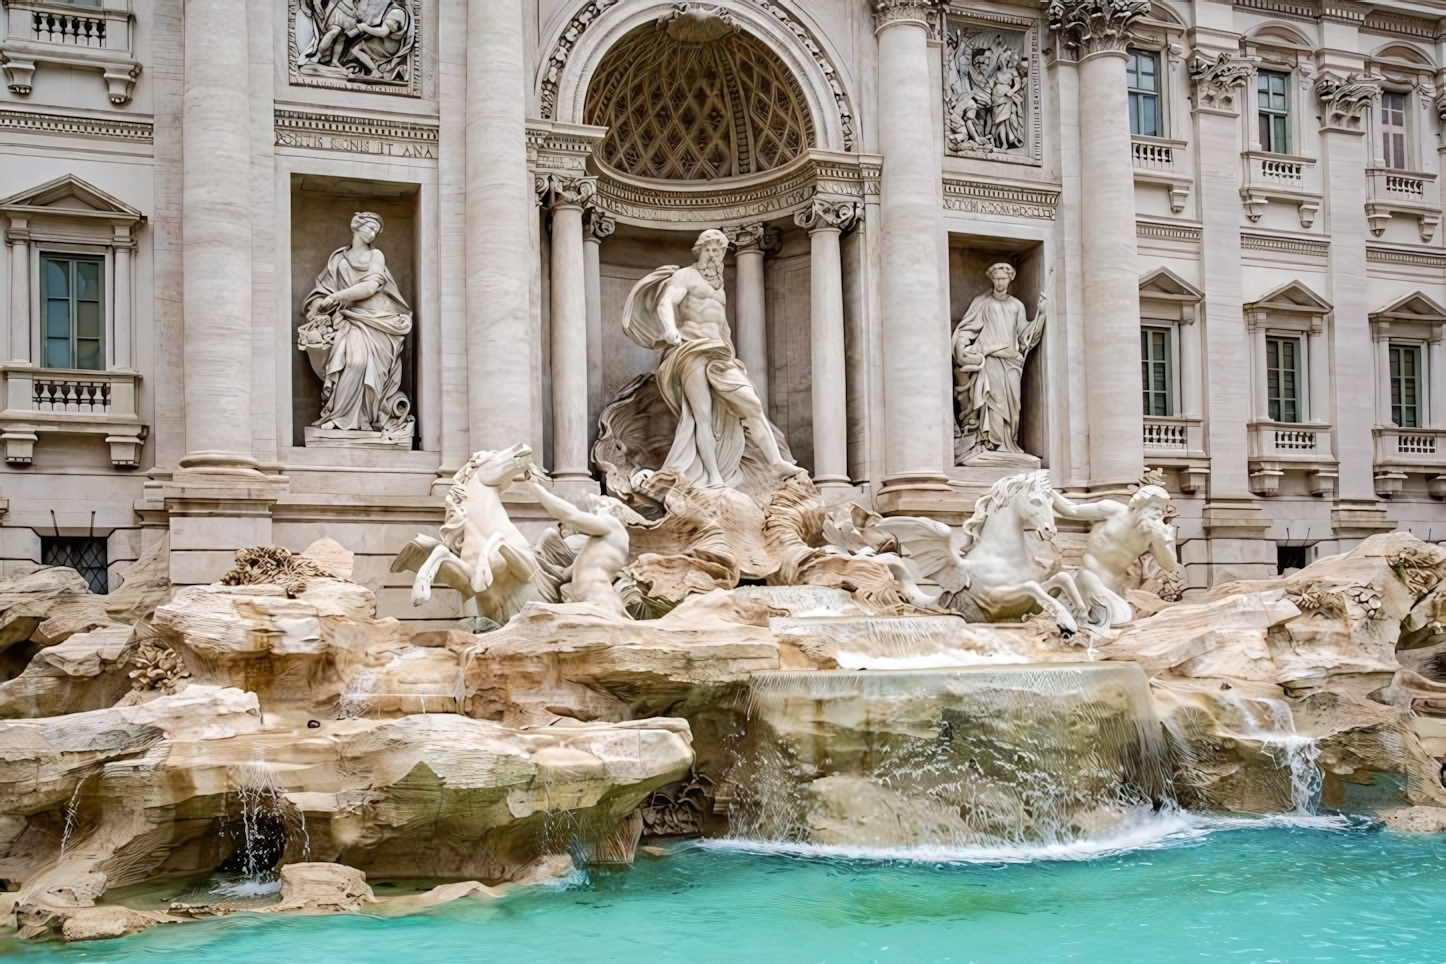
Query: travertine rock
[
  {"x": 325, "y": 888},
  {"x": 86, "y": 672},
  {"x": 45, "y": 607},
  {"x": 145, "y": 584},
  {"x": 105, "y": 923}
]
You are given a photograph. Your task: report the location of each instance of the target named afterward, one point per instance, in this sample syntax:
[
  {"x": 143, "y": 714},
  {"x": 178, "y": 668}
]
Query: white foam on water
[{"x": 247, "y": 887}]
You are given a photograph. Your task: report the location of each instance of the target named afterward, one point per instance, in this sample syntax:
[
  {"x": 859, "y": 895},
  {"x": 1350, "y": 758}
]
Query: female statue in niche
[
  {"x": 356, "y": 322},
  {"x": 990, "y": 345}
]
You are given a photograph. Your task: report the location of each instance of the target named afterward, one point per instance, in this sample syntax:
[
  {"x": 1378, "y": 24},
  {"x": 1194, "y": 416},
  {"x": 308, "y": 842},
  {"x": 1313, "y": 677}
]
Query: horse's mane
[
  {"x": 1000, "y": 494},
  {"x": 456, "y": 502}
]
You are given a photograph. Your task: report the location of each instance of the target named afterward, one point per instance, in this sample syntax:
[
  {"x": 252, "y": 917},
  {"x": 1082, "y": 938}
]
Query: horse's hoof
[{"x": 1066, "y": 632}]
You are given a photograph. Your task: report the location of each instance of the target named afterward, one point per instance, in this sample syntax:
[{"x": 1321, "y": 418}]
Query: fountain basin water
[{"x": 965, "y": 756}]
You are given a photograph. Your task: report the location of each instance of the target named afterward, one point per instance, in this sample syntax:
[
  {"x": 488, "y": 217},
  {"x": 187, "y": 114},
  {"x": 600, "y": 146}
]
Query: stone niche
[
  {"x": 321, "y": 213},
  {"x": 969, "y": 258}
]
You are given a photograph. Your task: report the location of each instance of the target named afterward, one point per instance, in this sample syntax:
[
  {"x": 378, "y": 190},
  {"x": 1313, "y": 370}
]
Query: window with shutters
[
  {"x": 1393, "y": 130},
  {"x": 71, "y": 319},
  {"x": 1273, "y": 93},
  {"x": 1282, "y": 379},
  {"x": 1142, "y": 77},
  {"x": 1406, "y": 385},
  {"x": 1155, "y": 371}
]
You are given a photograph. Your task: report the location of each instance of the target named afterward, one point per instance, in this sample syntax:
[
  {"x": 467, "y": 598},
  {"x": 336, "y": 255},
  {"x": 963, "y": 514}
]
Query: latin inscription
[{"x": 353, "y": 144}]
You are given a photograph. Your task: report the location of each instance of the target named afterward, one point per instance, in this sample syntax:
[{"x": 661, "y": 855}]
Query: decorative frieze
[
  {"x": 984, "y": 197},
  {"x": 1219, "y": 83},
  {"x": 1156, "y": 231},
  {"x": 1095, "y": 26},
  {"x": 1273, "y": 244},
  {"x": 1343, "y": 101},
  {"x": 37, "y": 123},
  {"x": 1419, "y": 259},
  {"x": 354, "y": 134},
  {"x": 992, "y": 90},
  {"x": 367, "y": 45}
]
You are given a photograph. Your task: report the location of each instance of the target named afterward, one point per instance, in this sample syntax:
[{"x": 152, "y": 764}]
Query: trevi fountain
[{"x": 615, "y": 479}]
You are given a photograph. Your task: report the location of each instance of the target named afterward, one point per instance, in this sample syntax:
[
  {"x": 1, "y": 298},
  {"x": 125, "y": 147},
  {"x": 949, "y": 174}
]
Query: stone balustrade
[
  {"x": 70, "y": 402},
  {"x": 62, "y": 35}
]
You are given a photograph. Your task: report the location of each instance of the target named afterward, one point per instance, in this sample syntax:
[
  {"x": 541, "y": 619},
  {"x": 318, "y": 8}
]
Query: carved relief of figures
[
  {"x": 356, "y": 324},
  {"x": 991, "y": 342},
  {"x": 356, "y": 41},
  {"x": 986, "y": 85}
]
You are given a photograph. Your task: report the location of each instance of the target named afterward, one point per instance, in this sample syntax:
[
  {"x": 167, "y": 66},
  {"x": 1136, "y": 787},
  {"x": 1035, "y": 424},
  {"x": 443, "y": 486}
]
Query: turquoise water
[{"x": 1277, "y": 894}]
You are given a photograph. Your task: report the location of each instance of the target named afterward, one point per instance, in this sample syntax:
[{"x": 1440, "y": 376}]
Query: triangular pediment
[
  {"x": 69, "y": 194},
  {"x": 1291, "y": 297},
  {"x": 1164, "y": 283},
  {"x": 1413, "y": 307}
]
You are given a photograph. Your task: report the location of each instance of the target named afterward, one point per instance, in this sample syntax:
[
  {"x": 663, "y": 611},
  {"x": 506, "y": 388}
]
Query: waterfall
[
  {"x": 969, "y": 756},
  {"x": 359, "y": 695},
  {"x": 72, "y": 810},
  {"x": 1270, "y": 723},
  {"x": 267, "y": 818}
]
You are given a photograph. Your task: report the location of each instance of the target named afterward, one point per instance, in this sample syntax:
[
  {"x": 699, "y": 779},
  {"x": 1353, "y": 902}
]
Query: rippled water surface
[{"x": 1278, "y": 894}]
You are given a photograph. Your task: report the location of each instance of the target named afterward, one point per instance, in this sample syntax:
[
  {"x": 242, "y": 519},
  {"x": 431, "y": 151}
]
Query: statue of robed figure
[{"x": 991, "y": 343}]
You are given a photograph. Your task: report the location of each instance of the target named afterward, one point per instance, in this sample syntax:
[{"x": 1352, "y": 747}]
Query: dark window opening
[
  {"x": 1289, "y": 557},
  {"x": 85, "y": 554}
]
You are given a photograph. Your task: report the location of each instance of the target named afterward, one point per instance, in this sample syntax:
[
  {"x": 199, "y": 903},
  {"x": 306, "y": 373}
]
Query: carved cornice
[
  {"x": 923, "y": 12},
  {"x": 828, "y": 214},
  {"x": 558, "y": 190},
  {"x": 985, "y": 197},
  {"x": 596, "y": 224},
  {"x": 588, "y": 15},
  {"x": 354, "y": 134},
  {"x": 1420, "y": 259},
  {"x": 38, "y": 123},
  {"x": 1344, "y": 101},
  {"x": 1281, "y": 245},
  {"x": 1096, "y": 26},
  {"x": 1218, "y": 83}
]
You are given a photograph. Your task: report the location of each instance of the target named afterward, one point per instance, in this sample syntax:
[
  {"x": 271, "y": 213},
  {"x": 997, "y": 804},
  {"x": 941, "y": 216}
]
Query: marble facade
[{"x": 1241, "y": 200}]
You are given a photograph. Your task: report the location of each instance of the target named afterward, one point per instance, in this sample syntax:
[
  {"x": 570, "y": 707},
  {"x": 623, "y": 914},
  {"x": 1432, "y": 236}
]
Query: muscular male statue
[
  {"x": 601, "y": 557},
  {"x": 681, "y": 312},
  {"x": 1120, "y": 534}
]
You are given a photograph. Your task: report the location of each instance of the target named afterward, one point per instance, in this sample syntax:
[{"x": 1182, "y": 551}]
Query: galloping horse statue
[
  {"x": 481, "y": 553},
  {"x": 990, "y": 560}
]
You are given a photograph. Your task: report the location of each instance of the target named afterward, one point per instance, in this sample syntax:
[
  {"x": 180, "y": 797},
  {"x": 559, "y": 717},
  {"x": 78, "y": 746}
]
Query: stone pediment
[
  {"x": 70, "y": 197},
  {"x": 1165, "y": 284},
  {"x": 1415, "y": 307},
  {"x": 1291, "y": 298}
]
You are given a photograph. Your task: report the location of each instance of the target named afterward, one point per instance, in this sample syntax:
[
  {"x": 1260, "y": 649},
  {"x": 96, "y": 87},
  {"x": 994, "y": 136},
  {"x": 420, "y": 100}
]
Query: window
[
  {"x": 1406, "y": 385},
  {"x": 85, "y": 554},
  {"x": 1155, "y": 371},
  {"x": 71, "y": 323},
  {"x": 1282, "y": 379},
  {"x": 1274, "y": 96},
  {"x": 1142, "y": 76},
  {"x": 1393, "y": 130}
]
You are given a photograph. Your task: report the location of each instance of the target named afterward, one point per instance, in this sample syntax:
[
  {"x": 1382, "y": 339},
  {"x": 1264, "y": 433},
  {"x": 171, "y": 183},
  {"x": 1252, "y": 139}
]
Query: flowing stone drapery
[
  {"x": 825, "y": 222},
  {"x": 216, "y": 207},
  {"x": 499, "y": 216},
  {"x": 565, "y": 197},
  {"x": 1098, "y": 31},
  {"x": 914, "y": 326},
  {"x": 750, "y": 333},
  {"x": 357, "y": 323}
]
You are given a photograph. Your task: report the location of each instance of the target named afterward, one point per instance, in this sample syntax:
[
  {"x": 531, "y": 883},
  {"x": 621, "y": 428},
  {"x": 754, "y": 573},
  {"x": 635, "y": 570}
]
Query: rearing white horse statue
[
  {"x": 990, "y": 560},
  {"x": 481, "y": 553}
]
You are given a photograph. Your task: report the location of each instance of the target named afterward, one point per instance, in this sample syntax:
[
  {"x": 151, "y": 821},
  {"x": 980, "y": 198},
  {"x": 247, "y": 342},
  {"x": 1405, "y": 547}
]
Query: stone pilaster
[
  {"x": 18, "y": 235},
  {"x": 564, "y": 196},
  {"x": 596, "y": 226},
  {"x": 500, "y": 373},
  {"x": 915, "y": 332},
  {"x": 825, "y": 221},
  {"x": 1097, "y": 31},
  {"x": 750, "y": 329}
]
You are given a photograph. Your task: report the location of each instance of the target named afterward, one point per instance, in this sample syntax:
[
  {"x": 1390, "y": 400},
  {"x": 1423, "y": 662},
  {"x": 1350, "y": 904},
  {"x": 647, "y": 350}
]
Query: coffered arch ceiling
[{"x": 696, "y": 109}]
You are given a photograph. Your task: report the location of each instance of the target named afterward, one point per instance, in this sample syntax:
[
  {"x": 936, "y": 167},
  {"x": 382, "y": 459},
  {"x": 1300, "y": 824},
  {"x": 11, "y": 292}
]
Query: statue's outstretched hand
[{"x": 672, "y": 337}]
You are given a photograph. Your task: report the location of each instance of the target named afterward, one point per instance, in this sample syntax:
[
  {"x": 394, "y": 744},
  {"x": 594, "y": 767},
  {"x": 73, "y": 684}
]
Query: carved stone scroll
[
  {"x": 1095, "y": 26},
  {"x": 1218, "y": 83},
  {"x": 1344, "y": 101}
]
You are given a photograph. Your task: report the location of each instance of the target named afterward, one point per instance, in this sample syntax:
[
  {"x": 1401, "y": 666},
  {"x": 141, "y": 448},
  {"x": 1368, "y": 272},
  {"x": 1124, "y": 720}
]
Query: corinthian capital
[
  {"x": 750, "y": 235},
  {"x": 596, "y": 224},
  {"x": 926, "y": 12},
  {"x": 1094, "y": 26},
  {"x": 1343, "y": 101},
  {"x": 564, "y": 189},
  {"x": 1219, "y": 82},
  {"x": 823, "y": 213}
]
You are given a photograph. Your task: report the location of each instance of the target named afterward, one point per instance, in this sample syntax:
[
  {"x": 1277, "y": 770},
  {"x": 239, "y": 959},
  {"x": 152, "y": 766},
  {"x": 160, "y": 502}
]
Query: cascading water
[
  {"x": 1270, "y": 722},
  {"x": 972, "y": 756},
  {"x": 263, "y": 833}
]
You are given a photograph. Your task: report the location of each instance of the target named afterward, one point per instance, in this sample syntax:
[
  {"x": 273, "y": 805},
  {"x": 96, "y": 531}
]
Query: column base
[
  {"x": 923, "y": 495},
  {"x": 212, "y": 464},
  {"x": 212, "y": 515},
  {"x": 835, "y": 490},
  {"x": 571, "y": 487}
]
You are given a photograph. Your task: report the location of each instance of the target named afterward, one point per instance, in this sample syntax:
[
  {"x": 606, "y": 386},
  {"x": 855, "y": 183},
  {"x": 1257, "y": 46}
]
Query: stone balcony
[
  {"x": 1412, "y": 194},
  {"x": 1283, "y": 178},
  {"x": 1177, "y": 442},
  {"x": 1161, "y": 162},
  {"x": 1275, "y": 447},
  {"x": 63, "y": 35},
  {"x": 70, "y": 402},
  {"x": 1402, "y": 451}
]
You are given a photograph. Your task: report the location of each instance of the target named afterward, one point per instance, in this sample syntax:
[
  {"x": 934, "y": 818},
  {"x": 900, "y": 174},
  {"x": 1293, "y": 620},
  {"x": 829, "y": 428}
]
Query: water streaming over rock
[
  {"x": 267, "y": 823},
  {"x": 1270, "y": 722},
  {"x": 967, "y": 756}
]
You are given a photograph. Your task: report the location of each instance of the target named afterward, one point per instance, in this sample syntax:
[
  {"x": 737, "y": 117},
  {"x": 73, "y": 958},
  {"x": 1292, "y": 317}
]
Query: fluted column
[
  {"x": 499, "y": 248},
  {"x": 19, "y": 331},
  {"x": 1097, "y": 31},
  {"x": 565, "y": 196},
  {"x": 216, "y": 207},
  {"x": 121, "y": 319},
  {"x": 915, "y": 331},
  {"x": 750, "y": 328},
  {"x": 595, "y": 226},
  {"x": 825, "y": 222}
]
